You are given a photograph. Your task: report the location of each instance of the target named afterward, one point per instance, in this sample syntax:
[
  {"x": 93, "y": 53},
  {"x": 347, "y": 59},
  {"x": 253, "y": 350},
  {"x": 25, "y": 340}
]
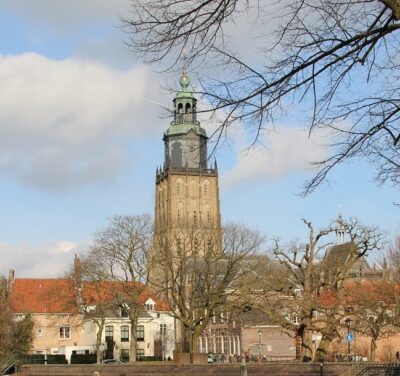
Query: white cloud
[
  {"x": 67, "y": 122},
  {"x": 283, "y": 151},
  {"x": 47, "y": 260}
]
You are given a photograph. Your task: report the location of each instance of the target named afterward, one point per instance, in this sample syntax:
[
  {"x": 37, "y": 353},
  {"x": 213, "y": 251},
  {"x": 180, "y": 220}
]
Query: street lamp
[
  {"x": 348, "y": 337},
  {"x": 259, "y": 342}
]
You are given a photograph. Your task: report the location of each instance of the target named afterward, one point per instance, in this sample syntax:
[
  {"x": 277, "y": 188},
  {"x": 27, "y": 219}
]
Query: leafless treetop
[{"x": 339, "y": 59}]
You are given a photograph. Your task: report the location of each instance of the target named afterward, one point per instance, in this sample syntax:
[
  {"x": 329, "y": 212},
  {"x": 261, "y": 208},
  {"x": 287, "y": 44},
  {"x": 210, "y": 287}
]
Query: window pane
[
  {"x": 125, "y": 355},
  {"x": 163, "y": 330},
  {"x": 139, "y": 353},
  {"x": 124, "y": 333},
  {"x": 140, "y": 333},
  {"x": 109, "y": 331},
  {"x": 64, "y": 332}
]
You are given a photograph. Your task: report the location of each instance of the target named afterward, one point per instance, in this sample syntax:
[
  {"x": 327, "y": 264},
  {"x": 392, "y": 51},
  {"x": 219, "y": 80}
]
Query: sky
[{"x": 80, "y": 140}]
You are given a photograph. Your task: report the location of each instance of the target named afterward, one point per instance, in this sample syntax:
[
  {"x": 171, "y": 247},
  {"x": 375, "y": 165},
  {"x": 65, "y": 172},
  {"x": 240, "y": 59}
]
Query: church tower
[{"x": 187, "y": 192}]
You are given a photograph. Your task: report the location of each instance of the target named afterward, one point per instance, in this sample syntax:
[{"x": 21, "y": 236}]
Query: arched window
[
  {"x": 179, "y": 114},
  {"x": 176, "y": 154},
  {"x": 195, "y": 218},
  {"x": 187, "y": 108}
]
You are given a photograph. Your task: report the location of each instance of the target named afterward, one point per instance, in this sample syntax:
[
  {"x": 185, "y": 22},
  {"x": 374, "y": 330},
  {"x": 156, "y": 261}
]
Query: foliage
[
  {"x": 23, "y": 335},
  {"x": 15, "y": 336}
]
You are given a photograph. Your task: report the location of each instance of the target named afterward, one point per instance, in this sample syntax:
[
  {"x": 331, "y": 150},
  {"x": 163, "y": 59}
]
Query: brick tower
[{"x": 187, "y": 192}]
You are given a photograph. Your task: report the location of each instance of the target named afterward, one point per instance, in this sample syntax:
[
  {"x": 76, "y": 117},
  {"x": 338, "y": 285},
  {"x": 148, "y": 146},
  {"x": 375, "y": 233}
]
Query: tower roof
[
  {"x": 185, "y": 121},
  {"x": 184, "y": 128}
]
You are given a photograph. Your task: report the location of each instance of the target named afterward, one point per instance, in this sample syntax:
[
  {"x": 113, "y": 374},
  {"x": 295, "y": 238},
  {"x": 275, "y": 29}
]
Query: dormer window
[
  {"x": 149, "y": 305},
  {"x": 123, "y": 312}
]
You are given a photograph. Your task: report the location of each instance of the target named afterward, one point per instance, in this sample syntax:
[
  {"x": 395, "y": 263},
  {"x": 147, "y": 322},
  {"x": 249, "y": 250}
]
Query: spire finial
[{"x": 184, "y": 80}]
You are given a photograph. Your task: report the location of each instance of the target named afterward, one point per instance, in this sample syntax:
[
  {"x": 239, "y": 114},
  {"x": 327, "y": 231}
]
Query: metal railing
[{"x": 386, "y": 369}]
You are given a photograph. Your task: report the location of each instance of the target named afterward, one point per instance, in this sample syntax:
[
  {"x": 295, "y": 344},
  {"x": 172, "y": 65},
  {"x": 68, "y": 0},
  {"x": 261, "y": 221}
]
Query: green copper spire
[
  {"x": 184, "y": 82},
  {"x": 185, "y": 140}
]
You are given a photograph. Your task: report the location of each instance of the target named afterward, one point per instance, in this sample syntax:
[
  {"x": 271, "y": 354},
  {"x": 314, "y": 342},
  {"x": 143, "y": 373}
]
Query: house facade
[{"x": 60, "y": 327}]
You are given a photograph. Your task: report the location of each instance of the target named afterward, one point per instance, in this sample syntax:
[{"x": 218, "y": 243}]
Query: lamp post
[
  {"x": 259, "y": 343},
  {"x": 348, "y": 338}
]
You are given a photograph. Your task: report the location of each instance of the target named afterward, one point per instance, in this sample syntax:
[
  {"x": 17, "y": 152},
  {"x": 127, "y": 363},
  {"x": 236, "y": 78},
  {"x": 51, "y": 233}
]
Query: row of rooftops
[{"x": 60, "y": 295}]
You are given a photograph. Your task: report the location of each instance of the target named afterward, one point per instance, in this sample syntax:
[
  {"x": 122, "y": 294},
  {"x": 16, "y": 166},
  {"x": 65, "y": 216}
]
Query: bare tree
[
  {"x": 197, "y": 276},
  {"x": 393, "y": 256},
  {"x": 93, "y": 296},
  {"x": 306, "y": 296},
  {"x": 375, "y": 308},
  {"x": 340, "y": 58},
  {"x": 119, "y": 255}
]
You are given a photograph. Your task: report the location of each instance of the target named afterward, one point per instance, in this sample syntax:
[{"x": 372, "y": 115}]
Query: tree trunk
[
  {"x": 307, "y": 343},
  {"x": 133, "y": 346},
  {"x": 323, "y": 347},
  {"x": 189, "y": 339},
  {"x": 191, "y": 346},
  {"x": 373, "y": 349},
  {"x": 184, "y": 339},
  {"x": 327, "y": 337},
  {"x": 100, "y": 327}
]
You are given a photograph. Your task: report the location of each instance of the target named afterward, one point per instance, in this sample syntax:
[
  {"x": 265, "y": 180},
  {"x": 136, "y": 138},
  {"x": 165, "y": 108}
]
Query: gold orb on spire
[{"x": 184, "y": 80}]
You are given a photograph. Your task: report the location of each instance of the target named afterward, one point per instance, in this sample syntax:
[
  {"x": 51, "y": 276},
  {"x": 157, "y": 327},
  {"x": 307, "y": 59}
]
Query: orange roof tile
[
  {"x": 59, "y": 295},
  {"x": 43, "y": 295}
]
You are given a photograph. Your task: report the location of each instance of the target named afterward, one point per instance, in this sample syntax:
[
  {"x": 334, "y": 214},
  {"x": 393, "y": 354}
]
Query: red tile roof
[
  {"x": 43, "y": 295},
  {"x": 59, "y": 295},
  {"x": 355, "y": 289}
]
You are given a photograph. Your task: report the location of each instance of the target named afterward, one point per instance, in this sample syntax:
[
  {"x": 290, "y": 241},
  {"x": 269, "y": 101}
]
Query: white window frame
[{"x": 65, "y": 332}]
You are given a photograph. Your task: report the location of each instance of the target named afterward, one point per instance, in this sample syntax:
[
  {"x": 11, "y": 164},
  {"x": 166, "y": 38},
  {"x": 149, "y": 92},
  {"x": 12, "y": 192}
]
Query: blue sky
[{"x": 80, "y": 142}]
